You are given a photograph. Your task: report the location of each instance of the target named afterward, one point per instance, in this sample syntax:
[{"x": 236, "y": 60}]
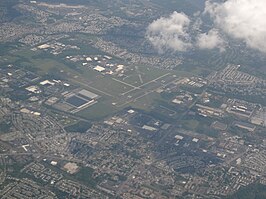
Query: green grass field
[
  {"x": 108, "y": 85},
  {"x": 138, "y": 75},
  {"x": 98, "y": 111}
]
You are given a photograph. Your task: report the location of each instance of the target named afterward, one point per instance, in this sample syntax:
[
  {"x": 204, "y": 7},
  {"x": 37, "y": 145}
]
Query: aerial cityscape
[{"x": 123, "y": 99}]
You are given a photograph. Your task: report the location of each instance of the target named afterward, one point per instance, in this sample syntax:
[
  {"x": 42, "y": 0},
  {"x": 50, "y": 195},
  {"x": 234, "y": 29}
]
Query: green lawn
[
  {"x": 98, "y": 111},
  {"x": 190, "y": 124},
  {"x": 110, "y": 86}
]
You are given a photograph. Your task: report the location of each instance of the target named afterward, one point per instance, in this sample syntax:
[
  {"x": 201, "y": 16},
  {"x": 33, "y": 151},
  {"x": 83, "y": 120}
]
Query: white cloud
[
  {"x": 244, "y": 20},
  {"x": 170, "y": 33},
  {"x": 241, "y": 19},
  {"x": 210, "y": 40}
]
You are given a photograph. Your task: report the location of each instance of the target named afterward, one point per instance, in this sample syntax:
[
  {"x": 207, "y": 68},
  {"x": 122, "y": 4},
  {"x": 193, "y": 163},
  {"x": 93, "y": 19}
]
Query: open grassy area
[
  {"x": 48, "y": 65},
  {"x": 89, "y": 74},
  {"x": 45, "y": 64},
  {"x": 138, "y": 75},
  {"x": 109, "y": 85},
  {"x": 191, "y": 124},
  {"x": 98, "y": 111},
  {"x": 146, "y": 103}
]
